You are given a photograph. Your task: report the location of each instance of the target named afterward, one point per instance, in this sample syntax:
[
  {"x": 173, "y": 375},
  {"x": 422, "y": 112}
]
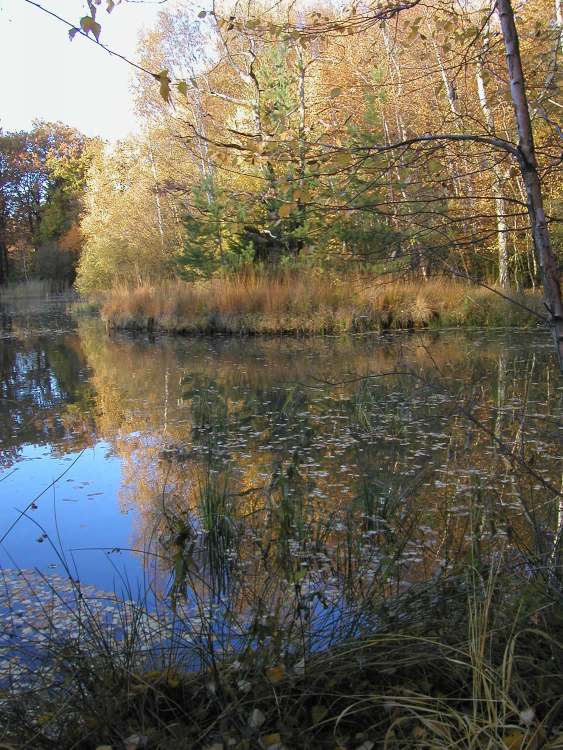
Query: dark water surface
[{"x": 455, "y": 430}]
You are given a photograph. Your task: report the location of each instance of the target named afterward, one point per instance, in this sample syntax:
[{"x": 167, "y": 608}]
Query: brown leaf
[{"x": 275, "y": 674}]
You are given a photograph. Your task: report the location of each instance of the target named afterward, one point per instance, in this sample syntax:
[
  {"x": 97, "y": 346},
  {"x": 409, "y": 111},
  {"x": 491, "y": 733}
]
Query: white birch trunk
[{"x": 530, "y": 175}]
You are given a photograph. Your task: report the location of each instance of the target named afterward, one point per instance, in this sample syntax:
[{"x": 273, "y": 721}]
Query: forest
[{"x": 244, "y": 504}]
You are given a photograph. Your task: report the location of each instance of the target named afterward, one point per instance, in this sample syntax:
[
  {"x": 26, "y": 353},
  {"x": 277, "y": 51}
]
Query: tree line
[
  {"x": 42, "y": 183},
  {"x": 389, "y": 146}
]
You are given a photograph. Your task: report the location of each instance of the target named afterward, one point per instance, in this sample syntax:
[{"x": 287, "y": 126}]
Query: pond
[{"x": 233, "y": 471}]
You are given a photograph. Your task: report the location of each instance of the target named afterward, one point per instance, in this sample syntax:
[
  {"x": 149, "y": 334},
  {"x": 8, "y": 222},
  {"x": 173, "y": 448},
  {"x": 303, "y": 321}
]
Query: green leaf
[
  {"x": 182, "y": 88},
  {"x": 87, "y": 24}
]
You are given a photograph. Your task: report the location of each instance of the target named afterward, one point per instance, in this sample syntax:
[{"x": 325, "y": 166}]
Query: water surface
[{"x": 377, "y": 457}]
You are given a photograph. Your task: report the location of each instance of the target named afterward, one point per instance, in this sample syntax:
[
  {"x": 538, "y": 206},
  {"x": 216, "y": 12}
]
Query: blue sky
[{"x": 45, "y": 76}]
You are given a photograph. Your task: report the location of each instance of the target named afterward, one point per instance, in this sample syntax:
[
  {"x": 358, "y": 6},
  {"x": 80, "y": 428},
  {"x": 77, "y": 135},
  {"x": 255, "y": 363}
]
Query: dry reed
[{"x": 310, "y": 304}]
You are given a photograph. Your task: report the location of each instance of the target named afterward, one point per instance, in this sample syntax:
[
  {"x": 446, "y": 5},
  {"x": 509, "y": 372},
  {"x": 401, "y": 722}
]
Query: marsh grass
[{"x": 303, "y": 304}]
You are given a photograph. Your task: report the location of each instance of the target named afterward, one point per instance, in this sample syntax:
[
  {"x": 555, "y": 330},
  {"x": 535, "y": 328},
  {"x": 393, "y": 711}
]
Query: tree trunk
[
  {"x": 156, "y": 196},
  {"x": 3, "y": 263},
  {"x": 530, "y": 175},
  {"x": 500, "y": 209}
]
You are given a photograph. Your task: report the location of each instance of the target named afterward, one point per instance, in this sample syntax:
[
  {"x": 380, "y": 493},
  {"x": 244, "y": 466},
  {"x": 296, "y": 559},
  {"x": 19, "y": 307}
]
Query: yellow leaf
[
  {"x": 514, "y": 740},
  {"x": 164, "y": 81},
  {"x": 271, "y": 740},
  {"x": 275, "y": 674},
  {"x": 341, "y": 160},
  {"x": 285, "y": 210},
  {"x": 88, "y": 24}
]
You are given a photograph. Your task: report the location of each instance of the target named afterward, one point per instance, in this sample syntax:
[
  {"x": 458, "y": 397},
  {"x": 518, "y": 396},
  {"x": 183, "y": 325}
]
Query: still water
[{"x": 377, "y": 453}]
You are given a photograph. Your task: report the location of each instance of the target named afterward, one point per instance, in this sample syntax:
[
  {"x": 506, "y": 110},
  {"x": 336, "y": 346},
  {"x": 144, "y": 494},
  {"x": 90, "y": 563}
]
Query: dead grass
[{"x": 310, "y": 304}]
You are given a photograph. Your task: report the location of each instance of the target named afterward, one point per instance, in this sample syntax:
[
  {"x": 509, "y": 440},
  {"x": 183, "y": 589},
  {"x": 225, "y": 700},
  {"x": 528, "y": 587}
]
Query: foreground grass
[
  {"x": 474, "y": 668},
  {"x": 308, "y": 304}
]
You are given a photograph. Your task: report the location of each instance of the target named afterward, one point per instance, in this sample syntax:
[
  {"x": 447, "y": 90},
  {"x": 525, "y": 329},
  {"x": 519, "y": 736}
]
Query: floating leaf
[{"x": 87, "y": 24}]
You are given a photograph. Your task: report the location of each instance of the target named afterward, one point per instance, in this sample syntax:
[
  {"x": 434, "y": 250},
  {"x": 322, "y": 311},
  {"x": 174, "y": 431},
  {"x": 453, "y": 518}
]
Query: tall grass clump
[{"x": 306, "y": 303}]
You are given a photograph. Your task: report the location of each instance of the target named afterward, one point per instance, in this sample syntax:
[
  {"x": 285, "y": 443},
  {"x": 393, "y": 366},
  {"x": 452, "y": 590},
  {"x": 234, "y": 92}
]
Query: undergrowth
[{"x": 487, "y": 676}]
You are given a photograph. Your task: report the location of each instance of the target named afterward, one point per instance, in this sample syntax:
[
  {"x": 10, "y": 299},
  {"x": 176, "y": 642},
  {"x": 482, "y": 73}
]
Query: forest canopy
[
  {"x": 345, "y": 140},
  {"x": 268, "y": 141}
]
